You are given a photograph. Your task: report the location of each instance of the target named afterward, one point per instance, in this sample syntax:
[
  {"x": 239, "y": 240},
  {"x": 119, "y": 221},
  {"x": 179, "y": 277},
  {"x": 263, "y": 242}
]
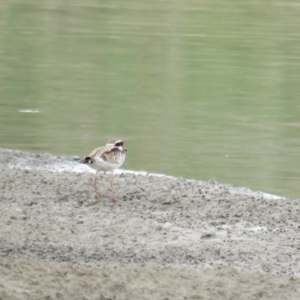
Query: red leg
[
  {"x": 112, "y": 198},
  {"x": 97, "y": 195}
]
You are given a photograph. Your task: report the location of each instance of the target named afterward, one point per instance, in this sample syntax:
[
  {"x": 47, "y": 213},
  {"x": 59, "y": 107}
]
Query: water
[{"x": 196, "y": 89}]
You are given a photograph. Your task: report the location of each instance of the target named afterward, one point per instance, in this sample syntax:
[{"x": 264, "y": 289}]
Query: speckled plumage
[{"x": 106, "y": 158}]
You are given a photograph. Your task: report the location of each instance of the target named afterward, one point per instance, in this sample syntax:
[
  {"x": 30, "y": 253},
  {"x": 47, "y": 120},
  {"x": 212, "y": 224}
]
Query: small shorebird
[{"x": 106, "y": 158}]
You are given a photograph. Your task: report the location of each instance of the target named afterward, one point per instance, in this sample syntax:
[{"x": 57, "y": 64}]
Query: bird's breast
[{"x": 108, "y": 163}]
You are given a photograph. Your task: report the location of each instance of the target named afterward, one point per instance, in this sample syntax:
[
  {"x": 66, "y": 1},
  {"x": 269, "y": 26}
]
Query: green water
[{"x": 198, "y": 89}]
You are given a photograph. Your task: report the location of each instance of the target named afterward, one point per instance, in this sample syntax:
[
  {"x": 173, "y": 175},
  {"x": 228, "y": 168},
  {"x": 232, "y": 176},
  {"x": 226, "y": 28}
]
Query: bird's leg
[
  {"x": 112, "y": 198},
  {"x": 97, "y": 196}
]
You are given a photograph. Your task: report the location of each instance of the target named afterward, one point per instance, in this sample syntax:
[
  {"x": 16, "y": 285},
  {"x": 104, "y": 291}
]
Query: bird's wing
[
  {"x": 99, "y": 152},
  {"x": 109, "y": 154}
]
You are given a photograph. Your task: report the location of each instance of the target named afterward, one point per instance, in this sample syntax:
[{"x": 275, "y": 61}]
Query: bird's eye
[{"x": 118, "y": 144}]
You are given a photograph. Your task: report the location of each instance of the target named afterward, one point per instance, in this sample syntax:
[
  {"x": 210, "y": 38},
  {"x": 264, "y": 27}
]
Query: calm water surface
[{"x": 198, "y": 89}]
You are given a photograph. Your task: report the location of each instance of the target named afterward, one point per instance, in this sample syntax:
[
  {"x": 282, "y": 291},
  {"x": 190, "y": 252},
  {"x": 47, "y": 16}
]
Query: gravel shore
[{"x": 165, "y": 237}]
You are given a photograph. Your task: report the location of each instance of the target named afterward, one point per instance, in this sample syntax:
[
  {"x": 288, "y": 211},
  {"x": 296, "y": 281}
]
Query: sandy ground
[{"x": 165, "y": 238}]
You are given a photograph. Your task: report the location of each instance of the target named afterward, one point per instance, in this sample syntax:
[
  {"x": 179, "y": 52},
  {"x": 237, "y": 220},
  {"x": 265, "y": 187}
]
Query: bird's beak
[{"x": 124, "y": 149}]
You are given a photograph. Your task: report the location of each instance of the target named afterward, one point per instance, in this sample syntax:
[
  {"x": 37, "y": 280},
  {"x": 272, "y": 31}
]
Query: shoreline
[
  {"x": 173, "y": 229},
  {"x": 64, "y": 163}
]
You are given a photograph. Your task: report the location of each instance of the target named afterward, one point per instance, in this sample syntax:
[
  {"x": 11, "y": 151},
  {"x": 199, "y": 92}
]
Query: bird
[{"x": 106, "y": 158}]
